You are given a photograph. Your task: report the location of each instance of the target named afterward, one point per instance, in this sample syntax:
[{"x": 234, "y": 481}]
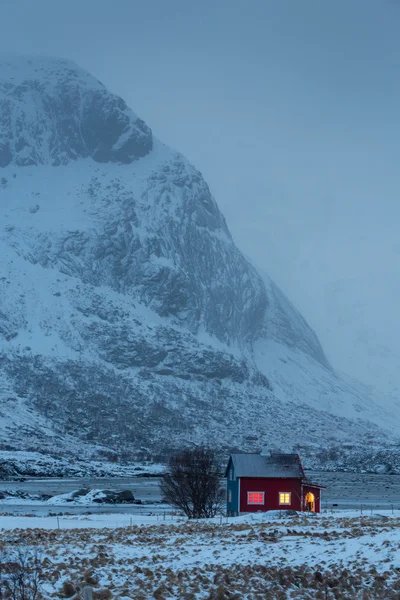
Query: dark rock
[
  {"x": 291, "y": 513},
  {"x": 115, "y": 497},
  {"x": 125, "y": 496},
  {"x": 45, "y": 497},
  {"x": 80, "y": 492}
]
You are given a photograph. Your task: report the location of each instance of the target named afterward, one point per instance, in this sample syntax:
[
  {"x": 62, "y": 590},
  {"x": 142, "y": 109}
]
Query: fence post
[{"x": 87, "y": 593}]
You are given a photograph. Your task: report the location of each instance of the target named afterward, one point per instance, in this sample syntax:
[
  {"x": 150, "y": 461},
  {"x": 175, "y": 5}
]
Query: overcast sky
[
  {"x": 290, "y": 108},
  {"x": 253, "y": 91}
]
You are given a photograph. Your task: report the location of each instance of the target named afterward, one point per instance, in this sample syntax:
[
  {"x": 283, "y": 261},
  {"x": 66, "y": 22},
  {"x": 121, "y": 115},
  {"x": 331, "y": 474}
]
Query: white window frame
[
  {"x": 285, "y": 503},
  {"x": 256, "y": 503}
]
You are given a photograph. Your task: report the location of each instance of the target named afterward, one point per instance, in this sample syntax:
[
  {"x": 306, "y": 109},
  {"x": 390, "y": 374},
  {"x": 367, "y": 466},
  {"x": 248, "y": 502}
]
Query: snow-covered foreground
[{"x": 339, "y": 555}]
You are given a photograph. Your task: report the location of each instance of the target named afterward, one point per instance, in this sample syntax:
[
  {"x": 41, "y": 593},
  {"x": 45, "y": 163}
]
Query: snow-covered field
[{"x": 332, "y": 555}]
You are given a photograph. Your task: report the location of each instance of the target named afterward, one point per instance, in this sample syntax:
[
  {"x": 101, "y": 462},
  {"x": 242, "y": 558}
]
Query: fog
[{"x": 290, "y": 110}]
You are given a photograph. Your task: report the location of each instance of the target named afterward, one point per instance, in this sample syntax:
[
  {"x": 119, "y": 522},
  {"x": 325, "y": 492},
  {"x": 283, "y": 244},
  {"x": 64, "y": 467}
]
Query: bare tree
[
  {"x": 193, "y": 483},
  {"x": 19, "y": 576}
]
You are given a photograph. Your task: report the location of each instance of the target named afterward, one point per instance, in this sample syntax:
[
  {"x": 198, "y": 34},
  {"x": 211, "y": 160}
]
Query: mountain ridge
[{"x": 129, "y": 319}]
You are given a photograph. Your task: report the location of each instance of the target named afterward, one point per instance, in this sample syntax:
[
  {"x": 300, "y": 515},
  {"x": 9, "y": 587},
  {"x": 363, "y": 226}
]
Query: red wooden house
[{"x": 258, "y": 482}]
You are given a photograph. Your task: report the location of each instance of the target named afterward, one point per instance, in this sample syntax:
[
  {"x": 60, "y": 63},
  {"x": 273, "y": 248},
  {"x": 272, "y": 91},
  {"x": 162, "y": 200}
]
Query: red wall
[{"x": 271, "y": 487}]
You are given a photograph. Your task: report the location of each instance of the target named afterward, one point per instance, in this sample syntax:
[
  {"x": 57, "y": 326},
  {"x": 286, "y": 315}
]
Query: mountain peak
[
  {"x": 53, "y": 112},
  {"x": 128, "y": 317}
]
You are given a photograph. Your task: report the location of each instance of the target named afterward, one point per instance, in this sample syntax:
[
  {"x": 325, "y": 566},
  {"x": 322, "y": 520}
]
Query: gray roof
[{"x": 273, "y": 465}]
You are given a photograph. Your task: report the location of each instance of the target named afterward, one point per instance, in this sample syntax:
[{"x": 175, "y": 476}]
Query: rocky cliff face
[
  {"x": 52, "y": 112},
  {"x": 128, "y": 317}
]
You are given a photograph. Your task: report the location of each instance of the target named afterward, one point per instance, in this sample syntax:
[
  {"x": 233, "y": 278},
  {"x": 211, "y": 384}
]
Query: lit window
[
  {"x": 284, "y": 497},
  {"x": 230, "y": 496},
  {"x": 255, "y": 497}
]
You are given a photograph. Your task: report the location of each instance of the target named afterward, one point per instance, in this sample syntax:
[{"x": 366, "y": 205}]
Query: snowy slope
[{"x": 128, "y": 317}]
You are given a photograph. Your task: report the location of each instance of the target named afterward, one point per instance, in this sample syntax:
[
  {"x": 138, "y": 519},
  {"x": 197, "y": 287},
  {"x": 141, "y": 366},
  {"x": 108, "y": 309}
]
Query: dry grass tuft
[
  {"x": 68, "y": 590},
  {"x": 103, "y": 594}
]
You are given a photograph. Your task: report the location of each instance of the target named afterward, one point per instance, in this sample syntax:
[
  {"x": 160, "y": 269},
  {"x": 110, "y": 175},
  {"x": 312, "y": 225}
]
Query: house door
[{"x": 310, "y": 502}]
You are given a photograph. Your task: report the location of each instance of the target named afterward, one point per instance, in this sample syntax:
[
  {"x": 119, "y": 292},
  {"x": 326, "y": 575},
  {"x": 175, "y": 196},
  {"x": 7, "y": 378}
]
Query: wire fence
[{"x": 364, "y": 508}]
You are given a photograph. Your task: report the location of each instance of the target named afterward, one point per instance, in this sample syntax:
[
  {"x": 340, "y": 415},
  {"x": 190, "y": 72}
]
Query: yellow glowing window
[
  {"x": 255, "y": 497},
  {"x": 284, "y": 497}
]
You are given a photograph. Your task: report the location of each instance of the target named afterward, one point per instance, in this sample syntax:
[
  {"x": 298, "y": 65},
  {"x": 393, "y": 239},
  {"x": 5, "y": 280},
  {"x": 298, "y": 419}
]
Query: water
[
  {"x": 346, "y": 490},
  {"x": 350, "y": 490},
  {"x": 48, "y": 509},
  {"x": 144, "y": 489}
]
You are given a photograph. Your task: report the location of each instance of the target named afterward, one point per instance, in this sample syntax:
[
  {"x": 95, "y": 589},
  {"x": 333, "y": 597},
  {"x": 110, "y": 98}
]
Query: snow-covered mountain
[{"x": 129, "y": 320}]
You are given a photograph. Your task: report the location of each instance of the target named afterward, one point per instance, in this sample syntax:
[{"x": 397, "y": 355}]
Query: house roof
[
  {"x": 274, "y": 465},
  {"x": 311, "y": 484}
]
